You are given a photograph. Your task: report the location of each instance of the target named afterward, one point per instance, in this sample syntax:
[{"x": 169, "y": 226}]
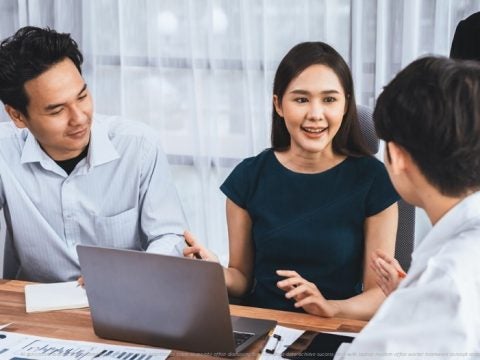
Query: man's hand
[{"x": 388, "y": 271}]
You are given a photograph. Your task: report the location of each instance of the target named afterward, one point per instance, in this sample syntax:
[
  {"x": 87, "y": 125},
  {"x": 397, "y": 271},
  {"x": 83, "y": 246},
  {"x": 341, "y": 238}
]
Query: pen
[
  {"x": 401, "y": 274},
  {"x": 195, "y": 255}
]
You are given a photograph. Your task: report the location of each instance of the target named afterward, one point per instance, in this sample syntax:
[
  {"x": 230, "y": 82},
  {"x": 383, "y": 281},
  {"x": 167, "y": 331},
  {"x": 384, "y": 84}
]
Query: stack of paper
[{"x": 55, "y": 296}]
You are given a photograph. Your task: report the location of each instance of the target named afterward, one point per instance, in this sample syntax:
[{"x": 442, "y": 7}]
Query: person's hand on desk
[
  {"x": 195, "y": 250},
  {"x": 388, "y": 271},
  {"x": 80, "y": 281},
  {"x": 306, "y": 295}
]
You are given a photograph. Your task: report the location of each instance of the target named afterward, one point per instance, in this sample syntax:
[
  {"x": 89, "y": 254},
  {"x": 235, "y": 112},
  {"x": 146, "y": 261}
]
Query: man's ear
[
  {"x": 397, "y": 157},
  {"x": 17, "y": 117},
  {"x": 278, "y": 105}
]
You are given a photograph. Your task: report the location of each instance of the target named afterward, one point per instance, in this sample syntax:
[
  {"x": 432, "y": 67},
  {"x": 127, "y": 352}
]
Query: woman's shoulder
[
  {"x": 368, "y": 164},
  {"x": 243, "y": 180}
]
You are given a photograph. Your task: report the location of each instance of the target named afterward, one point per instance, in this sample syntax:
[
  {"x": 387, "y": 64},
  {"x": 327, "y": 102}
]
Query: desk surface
[{"x": 77, "y": 324}]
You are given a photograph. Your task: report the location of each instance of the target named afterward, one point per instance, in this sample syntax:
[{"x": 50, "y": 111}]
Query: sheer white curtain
[{"x": 200, "y": 71}]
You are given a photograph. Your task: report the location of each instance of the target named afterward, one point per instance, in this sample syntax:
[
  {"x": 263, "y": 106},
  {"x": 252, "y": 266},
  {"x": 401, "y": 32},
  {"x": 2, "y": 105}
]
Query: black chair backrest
[{"x": 406, "y": 212}]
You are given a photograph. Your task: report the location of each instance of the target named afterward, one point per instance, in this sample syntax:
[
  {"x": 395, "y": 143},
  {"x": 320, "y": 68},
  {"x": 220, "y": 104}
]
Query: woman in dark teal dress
[{"x": 304, "y": 216}]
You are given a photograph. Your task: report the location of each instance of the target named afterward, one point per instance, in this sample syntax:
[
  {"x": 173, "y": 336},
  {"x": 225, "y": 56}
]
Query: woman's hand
[
  {"x": 195, "y": 250},
  {"x": 388, "y": 271},
  {"x": 306, "y": 295}
]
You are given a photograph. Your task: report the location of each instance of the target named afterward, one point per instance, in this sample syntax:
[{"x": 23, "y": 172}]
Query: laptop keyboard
[{"x": 241, "y": 337}]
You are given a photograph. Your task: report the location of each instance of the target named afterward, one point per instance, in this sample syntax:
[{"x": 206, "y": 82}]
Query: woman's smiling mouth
[{"x": 314, "y": 131}]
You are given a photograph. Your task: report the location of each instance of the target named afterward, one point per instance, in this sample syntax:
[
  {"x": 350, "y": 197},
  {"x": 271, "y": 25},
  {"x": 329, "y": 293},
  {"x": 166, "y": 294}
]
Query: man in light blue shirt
[{"x": 69, "y": 177}]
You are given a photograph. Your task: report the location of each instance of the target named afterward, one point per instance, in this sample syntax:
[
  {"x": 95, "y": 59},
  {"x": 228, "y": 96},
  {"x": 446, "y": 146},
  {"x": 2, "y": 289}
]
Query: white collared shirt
[
  {"x": 121, "y": 195},
  {"x": 435, "y": 312}
]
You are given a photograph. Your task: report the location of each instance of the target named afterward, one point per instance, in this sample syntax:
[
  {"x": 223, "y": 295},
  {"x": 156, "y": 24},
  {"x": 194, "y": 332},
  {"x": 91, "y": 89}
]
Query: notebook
[
  {"x": 164, "y": 301},
  {"x": 54, "y": 296}
]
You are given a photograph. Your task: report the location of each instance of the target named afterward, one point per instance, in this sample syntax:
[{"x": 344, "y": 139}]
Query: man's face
[{"x": 59, "y": 113}]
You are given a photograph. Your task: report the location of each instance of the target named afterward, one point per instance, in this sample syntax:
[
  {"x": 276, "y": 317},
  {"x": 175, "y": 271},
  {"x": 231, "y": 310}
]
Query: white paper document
[
  {"x": 281, "y": 338},
  {"x": 55, "y": 296},
  {"x": 15, "y": 346}
]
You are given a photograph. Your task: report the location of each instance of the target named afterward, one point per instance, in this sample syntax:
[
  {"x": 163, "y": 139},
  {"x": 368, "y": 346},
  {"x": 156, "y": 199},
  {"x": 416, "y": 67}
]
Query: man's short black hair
[
  {"x": 27, "y": 54},
  {"x": 465, "y": 43},
  {"x": 432, "y": 110}
]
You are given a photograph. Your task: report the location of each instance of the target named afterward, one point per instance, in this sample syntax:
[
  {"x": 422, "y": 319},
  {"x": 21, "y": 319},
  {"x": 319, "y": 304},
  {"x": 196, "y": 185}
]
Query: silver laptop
[{"x": 165, "y": 301}]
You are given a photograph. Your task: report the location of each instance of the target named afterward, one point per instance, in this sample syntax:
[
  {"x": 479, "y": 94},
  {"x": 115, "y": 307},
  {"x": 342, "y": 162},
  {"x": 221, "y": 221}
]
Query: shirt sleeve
[
  {"x": 169, "y": 244},
  {"x": 2, "y": 195},
  {"x": 426, "y": 320},
  {"x": 161, "y": 219},
  {"x": 382, "y": 194}
]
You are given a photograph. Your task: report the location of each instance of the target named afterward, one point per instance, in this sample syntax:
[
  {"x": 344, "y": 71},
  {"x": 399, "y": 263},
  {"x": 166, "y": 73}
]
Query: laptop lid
[{"x": 163, "y": 301}]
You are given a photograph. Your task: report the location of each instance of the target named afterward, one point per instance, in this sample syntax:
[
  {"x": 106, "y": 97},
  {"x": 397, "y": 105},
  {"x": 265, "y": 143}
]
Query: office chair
[
  {"x": 10, "y": 264},
  {"x": 406, "y": 212}
]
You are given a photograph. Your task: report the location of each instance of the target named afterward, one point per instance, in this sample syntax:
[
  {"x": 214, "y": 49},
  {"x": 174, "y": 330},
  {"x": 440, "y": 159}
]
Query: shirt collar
[
  {"x": 32, "y": 152},
  {"x": 101, "y": 148}
]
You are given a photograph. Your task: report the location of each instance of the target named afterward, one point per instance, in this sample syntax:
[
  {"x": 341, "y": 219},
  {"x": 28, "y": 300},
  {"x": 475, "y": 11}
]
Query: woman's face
[{"x": 313, "y": 107}]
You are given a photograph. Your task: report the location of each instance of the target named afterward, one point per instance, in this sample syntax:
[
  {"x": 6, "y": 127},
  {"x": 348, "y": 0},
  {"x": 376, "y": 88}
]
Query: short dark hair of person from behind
[
  {"x": 26, "y": 55},
  {"x": 348, "y": 140},
  {"x": 465, "y": 44},
  {"x": 432, "y": 110}
]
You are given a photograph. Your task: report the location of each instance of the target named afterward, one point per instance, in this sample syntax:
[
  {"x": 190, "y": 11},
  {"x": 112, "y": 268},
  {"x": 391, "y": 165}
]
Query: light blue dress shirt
[{"x": 121, "y": 195}]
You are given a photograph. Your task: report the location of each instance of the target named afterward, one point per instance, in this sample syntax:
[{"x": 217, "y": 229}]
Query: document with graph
[{"x": 15, "y": 346}]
